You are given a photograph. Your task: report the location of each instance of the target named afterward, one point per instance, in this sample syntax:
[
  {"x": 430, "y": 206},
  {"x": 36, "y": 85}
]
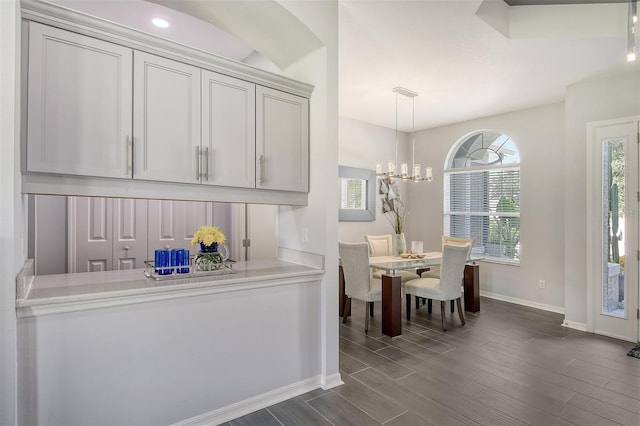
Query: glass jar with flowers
[{"x": 213, "y": 252}]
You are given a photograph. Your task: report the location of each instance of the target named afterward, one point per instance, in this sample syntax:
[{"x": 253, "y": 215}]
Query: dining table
[{"x": 392, "y": 289}]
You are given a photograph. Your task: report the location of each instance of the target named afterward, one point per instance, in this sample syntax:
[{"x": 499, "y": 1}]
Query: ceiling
[
  {"x": 468, "y": 58},
  {"x": 465, "y": 58}
]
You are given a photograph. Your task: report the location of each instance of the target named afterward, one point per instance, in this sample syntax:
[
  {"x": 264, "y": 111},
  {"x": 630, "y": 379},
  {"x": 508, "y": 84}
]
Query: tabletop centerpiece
[
  {"x": 211, "y": 239},
  {"x": 395, "y": 212}
]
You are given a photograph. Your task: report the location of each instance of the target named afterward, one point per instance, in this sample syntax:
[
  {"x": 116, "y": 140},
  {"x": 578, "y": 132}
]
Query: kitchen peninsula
[
  {"x": 41, "y": 295},
  {"x": 158, "y": 351}
]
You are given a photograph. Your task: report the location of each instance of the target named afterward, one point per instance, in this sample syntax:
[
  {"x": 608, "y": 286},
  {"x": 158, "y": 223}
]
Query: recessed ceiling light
[{"x": 159, "y": 22}]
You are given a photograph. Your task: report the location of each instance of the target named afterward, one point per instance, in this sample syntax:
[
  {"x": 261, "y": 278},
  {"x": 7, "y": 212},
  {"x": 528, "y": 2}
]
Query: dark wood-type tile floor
[{"x": 509, "y": 365}]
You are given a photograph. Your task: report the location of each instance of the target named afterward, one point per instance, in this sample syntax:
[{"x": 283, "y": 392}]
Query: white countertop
[{"x": 128, "y": 284}]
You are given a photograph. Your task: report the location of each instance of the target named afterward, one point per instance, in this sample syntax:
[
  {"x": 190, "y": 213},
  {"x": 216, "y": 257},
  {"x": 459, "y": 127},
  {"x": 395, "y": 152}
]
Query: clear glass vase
[{"x": 399, "y": 244}]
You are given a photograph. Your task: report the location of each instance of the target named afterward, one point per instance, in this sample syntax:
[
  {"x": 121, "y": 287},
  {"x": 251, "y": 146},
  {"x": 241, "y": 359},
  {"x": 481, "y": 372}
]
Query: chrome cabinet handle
[
  {"x": 129, "y": 149},
  {"x": 198, "y": 163},
  {"x": 261, "y": 174},
  {"x": 206, "y": 159}
]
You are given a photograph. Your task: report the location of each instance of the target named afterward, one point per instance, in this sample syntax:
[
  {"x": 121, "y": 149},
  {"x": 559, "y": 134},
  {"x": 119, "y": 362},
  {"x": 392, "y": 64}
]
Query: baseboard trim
[
  {"x": 252, "y": 404},
  {"x": 614, "y": 336},
  {"x": 524, "y": 302},
  {"x": 584, "y": 327},
  {"x": 579, "y": 326},
  {"x": 332, "y": 381}
]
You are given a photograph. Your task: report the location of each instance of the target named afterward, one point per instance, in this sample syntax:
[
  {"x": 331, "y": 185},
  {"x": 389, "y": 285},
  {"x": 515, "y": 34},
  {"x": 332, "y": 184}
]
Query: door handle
[
  {"x": 126, "y": 248},
  {"x": 206, "y": 159},
  {"x": 261, "y": 174},
  {"x": 197, "y": 163},
  {"x": 129, "y": 148}
]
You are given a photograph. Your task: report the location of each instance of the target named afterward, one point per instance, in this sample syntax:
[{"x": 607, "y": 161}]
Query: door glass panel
[{"x": 613, "y": 178}]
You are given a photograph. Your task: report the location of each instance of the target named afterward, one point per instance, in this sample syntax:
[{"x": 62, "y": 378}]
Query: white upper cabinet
[
  {"x": 282, "y": 141},
  {"x": 166, "y": 120},
  {"x": 228, "y": 131},
  {"x": 79, "y": 104}
]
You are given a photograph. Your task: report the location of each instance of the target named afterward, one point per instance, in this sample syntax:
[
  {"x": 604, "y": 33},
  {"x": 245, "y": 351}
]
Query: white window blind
[
  {"x": 484, "y": 203},
  {"x": 354, "y": 194}
]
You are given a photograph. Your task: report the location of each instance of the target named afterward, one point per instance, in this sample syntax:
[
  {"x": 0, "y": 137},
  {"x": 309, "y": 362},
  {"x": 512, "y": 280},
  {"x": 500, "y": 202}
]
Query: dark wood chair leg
[
  {"x": 417, "y": 302},
  {"x": 371, "y": 309},
  {"x": 408, "y": 303},
  {"x": 429, "y": 305},
  {"x": 346, "y": 307},
  {"x": 366, "y": 317},
  {"x": 424, "y": 300},
  {"x": 452, "y": 306},
  {"x": 460, "y": 314},
  {"x": 442, "y": 307}
]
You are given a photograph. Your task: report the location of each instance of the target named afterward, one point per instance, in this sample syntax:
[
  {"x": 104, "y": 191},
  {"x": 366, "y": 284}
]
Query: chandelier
[{"x": 416, "y": 168}]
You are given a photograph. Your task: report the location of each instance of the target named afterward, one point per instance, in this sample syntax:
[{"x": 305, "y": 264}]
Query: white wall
[
  {"x": 538, "y": 133},
  {"x": 49, "y": 234},
  {"x": 162, "y": 362},
  {"x": 604, "y": 98},
  {"x": 13, "y": 245},
  {"x": 319, "y": 218},
  {"x": 363, "y": 145}
]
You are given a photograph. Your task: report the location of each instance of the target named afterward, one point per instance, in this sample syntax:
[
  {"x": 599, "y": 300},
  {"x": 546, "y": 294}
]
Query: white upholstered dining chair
[
  {"x": 447, "y": 286},
  {"x": 358, "y": 280},
  {"x": 382, "y": 245},
  {"x": 435, "y": 272}
]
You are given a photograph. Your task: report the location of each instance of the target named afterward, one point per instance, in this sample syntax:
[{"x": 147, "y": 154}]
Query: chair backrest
[
  {"x": 454, "y": 241},
  {"x": 355, "y": 266},
  {"x": 380, "y": 245},
  {"x": 454, "y": 257}
]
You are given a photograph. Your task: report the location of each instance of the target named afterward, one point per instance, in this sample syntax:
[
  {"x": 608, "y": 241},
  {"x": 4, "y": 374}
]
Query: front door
[{"x": 613, "y": 228}]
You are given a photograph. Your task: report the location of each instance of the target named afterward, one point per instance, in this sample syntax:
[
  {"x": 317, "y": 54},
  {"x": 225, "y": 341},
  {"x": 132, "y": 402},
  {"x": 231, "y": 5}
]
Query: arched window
[{"x": 482, "y": 194}]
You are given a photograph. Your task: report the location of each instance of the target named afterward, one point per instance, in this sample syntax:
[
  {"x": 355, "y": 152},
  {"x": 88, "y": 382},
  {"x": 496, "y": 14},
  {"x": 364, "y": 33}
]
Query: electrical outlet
[{"x": 541, "y": 284}]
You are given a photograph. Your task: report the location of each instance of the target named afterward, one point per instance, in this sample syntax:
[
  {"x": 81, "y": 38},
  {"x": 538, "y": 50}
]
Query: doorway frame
[{"x": 593, "y": 222}]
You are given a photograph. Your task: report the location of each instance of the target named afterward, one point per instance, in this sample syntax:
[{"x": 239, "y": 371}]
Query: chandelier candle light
[{"x": 416, "y": 168}]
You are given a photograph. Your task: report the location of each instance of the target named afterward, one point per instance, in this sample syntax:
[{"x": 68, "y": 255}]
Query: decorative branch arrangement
[{"x": 392, "y": 205}]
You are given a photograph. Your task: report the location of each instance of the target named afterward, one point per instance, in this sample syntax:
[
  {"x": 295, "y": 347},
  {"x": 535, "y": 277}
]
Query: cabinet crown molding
[{"x": 64, "y": 18}]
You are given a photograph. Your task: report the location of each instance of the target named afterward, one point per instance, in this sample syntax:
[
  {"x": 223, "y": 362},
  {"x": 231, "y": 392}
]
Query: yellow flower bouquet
[
  {"x": 208, "y": 235},
  {"x": 209, "y": 238}
]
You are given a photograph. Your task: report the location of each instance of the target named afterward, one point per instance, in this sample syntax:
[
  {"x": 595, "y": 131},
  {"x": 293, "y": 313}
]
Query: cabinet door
[
  {"x": 282, "y": 140},
  {"x": 228, "y": 131},
  {"x": 79, "y": 104},
  {"x": 166, "y": 119}
]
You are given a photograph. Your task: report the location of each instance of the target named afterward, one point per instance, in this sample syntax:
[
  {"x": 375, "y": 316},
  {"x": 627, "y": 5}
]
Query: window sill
[{"x": 500, "y": 261}]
